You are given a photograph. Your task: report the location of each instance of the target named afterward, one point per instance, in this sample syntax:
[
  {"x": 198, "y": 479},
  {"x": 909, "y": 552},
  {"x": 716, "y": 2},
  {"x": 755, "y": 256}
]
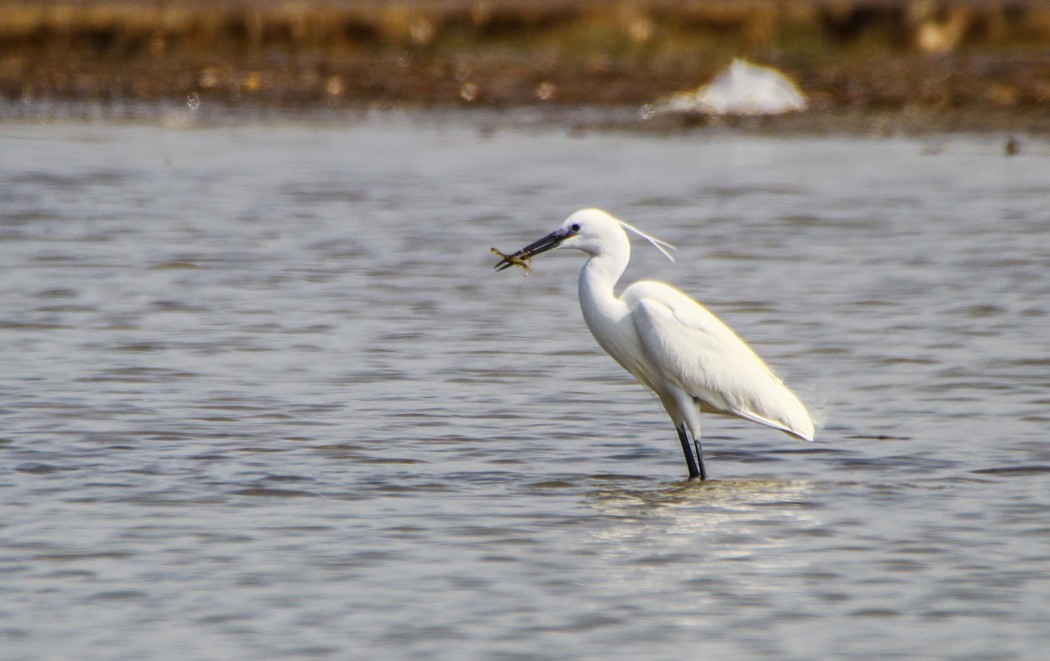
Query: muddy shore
[{"x": 864, "y": 64}]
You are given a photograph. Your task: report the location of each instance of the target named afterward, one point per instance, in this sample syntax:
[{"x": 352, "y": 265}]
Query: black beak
[{"x": 549, "y": 242}]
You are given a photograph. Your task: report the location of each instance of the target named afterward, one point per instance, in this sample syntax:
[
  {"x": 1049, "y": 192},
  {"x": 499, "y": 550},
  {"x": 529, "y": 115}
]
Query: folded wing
[{"x": 704, "y": 357}]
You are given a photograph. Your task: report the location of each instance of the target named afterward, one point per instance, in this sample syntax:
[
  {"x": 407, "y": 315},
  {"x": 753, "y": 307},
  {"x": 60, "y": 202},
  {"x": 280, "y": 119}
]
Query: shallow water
[{"x": 262, "y": 396}]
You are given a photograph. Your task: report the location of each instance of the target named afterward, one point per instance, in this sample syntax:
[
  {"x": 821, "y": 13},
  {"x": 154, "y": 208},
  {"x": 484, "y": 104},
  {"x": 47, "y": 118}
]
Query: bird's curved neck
[{"x": 597, "y": 287}]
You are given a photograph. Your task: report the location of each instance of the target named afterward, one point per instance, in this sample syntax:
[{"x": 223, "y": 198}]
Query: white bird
[
  {"x": 672, "y": 344},
  {"x": 742, "y": 89}
]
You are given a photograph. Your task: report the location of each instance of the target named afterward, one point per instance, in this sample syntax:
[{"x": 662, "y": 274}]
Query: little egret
[{"x": 676, "y": 348}]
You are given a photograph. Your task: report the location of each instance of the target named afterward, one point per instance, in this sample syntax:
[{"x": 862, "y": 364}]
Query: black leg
[
  {"x": 690, "y": 462},
  {"x": 700, "y": 458}
]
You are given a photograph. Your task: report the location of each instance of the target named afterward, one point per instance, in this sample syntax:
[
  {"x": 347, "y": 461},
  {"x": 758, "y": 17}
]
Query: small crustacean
[{"x": 520, "y": 258}]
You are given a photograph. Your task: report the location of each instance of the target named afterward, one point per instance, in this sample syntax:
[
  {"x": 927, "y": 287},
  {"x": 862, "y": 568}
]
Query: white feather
[{"x": 659, "y": 244}]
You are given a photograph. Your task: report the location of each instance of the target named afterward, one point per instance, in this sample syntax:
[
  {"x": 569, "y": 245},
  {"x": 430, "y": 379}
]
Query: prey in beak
[{"x": 523, "y": 256}]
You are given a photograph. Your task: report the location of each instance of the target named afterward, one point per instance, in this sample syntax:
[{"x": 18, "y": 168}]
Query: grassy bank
[{"x": 923, "y": 57}]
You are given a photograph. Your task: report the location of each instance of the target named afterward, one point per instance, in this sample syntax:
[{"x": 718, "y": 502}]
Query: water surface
[{"x": 262, "y": 396}]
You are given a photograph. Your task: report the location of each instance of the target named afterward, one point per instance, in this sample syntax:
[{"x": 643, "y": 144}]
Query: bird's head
[{"x": 591, "y": 230}]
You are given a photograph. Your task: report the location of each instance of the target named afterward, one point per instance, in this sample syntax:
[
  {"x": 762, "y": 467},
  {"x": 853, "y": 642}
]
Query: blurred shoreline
[{"x": 865, "y": 65}]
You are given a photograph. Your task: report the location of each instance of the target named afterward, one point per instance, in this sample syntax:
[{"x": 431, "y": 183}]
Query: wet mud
[{"x": 863, "y": 64}]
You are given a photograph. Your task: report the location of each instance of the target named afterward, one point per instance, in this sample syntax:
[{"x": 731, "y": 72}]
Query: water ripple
[{"x": 263, "y": 396}]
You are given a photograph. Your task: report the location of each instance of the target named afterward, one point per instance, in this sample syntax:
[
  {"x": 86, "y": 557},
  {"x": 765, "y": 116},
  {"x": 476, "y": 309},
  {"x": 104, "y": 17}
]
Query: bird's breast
[{"x": 614, "y": 329}]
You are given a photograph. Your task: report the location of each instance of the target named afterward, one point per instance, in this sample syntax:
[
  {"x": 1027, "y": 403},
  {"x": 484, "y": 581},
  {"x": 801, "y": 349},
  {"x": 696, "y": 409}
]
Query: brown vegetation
[{"x": 848, "y": 55}]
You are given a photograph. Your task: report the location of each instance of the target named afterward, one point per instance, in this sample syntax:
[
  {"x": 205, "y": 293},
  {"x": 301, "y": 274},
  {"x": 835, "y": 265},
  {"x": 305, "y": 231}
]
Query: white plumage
[{"x": 672, "y": 344}]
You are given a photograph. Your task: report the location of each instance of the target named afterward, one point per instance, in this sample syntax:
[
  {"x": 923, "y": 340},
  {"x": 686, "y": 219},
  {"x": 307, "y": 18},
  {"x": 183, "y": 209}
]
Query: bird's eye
[{"x": 575, "y": 227}]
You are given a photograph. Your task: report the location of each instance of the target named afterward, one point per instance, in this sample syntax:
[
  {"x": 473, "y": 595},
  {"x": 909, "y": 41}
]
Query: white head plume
[{"x": 661, "y": 245}]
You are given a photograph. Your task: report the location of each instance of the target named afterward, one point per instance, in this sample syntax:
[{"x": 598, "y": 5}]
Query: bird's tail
[{"x": 789, "y": 415}]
